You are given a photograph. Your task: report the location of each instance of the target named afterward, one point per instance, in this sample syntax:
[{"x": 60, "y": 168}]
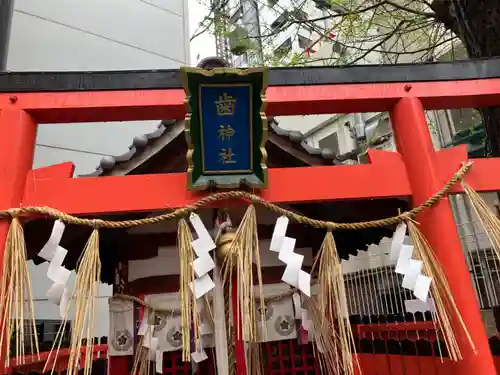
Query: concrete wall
[{"x": 84, "y": 35}]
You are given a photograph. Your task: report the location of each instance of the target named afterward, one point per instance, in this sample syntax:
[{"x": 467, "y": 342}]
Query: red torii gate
[{"x": 417, "y": 170}]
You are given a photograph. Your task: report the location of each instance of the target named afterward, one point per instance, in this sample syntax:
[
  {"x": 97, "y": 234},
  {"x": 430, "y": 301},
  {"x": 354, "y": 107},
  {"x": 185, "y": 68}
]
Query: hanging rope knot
[
  {"x": 14, "y": 212},
  {"x": 332, "y": 227},
  {"x": 405, "y": 215},
  {"x": 466, "y": 165},
  {"x": 96, "y": 223},
  {"x": 186, "y": 212},
  {"x": 252, "y": 198}
]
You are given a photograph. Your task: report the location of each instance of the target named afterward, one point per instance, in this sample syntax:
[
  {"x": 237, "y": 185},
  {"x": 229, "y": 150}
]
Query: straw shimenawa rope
[
  {"x": 184, "y": 211},
  {"x": 89, "y": 269},
  {"x": 177, "y": 311}
]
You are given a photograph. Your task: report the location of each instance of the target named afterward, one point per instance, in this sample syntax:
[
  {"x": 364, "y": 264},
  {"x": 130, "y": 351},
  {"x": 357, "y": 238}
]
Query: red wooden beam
[
  {"x": 483, "y": 176},
  {"x": 133, "y": 105},
  {"x": 385, "y": 177},
  {"x": 63, "y": 353},
  {"x": 61, "y": 170}
]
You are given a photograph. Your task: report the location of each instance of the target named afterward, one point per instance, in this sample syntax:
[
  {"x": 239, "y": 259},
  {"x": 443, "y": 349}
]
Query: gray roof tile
[{"x": 141, "y": 142}]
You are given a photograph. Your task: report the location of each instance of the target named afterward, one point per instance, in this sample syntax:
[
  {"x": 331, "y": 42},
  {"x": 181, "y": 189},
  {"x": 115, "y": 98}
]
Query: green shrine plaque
[{"x": 226, "y": 127}]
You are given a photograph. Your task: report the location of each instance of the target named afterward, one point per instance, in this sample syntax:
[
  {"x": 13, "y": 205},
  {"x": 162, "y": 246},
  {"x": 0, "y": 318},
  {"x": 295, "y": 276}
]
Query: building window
[
  {"x": 331, "y": 142},
  {"x": 380, "y": 128},
  {"x": 455, "y": 124},
  {"x": 338, "y": 48},
  {"x": 464, "y": 118},
  {"x": 299, "y": 15},
  {"x": 284, "y": 49},
  {"x": 280, "y": 21},
  {"x": 304, "y": 43},
  {"x": 454, "y": 121}
]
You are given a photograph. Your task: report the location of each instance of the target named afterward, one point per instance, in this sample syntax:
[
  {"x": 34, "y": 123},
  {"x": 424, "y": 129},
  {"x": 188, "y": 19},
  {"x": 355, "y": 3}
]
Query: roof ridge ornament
[{"x": 211, "y": 62}]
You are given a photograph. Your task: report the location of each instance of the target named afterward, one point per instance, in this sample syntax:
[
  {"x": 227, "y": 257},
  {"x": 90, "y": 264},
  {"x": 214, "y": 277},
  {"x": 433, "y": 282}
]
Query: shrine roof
[{"x": 169, "y": 138}]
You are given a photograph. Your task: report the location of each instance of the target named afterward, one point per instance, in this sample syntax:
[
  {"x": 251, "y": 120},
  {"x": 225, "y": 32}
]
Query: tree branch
[
  {"x": 213, "y": 9},
  {"x": 396, "y": 53},
  {"x": 355, "y": 11},
  {"x": 409, "y": 10},
  {"x": 396, "y": 29}
]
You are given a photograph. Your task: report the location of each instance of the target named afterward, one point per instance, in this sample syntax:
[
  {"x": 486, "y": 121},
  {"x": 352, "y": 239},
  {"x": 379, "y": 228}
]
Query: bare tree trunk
[{"x": 477, "y": 24}]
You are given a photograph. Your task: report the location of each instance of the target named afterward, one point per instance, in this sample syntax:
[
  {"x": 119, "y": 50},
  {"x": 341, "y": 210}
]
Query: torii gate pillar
[
  {"x": 414, "y": 143},
  {"x": 17, "y": 142}
]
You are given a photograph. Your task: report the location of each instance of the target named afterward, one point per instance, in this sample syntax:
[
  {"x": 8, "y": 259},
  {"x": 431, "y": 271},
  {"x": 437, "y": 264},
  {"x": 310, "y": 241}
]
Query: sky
[{"x": 203, "y": 45}]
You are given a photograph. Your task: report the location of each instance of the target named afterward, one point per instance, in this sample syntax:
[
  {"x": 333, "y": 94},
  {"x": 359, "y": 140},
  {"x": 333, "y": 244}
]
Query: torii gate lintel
[
  {"x": 417, "y": 171},
  {"x": 43, "y": 185}
]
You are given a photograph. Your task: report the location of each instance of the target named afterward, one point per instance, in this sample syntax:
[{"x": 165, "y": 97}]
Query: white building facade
[
  {"x": 92, "y": 35},
  {"x": 258, "y": 34}
]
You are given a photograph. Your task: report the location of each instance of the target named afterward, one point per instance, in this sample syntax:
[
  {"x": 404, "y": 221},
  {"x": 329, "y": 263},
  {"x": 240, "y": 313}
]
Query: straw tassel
[
  {"x": 143, "y": 354},
  {"x": 142, "y": 363},
  {"x": 85, "y": 297},
  {"x": 16, "y": 299},
  {"x": 240, "y": 255},
  {"x": 488, "y": 219},
  {"x": 440, "y": 292},
  {"x": 255, "y": 362},
  {"x": 189, "y": 315},
  {"x": 329, "y": 310}
]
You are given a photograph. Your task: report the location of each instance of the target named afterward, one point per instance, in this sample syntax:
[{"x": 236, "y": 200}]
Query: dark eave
[
  {"x": 299, "y": 143},
  {"x": 12, "y": 82}
]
